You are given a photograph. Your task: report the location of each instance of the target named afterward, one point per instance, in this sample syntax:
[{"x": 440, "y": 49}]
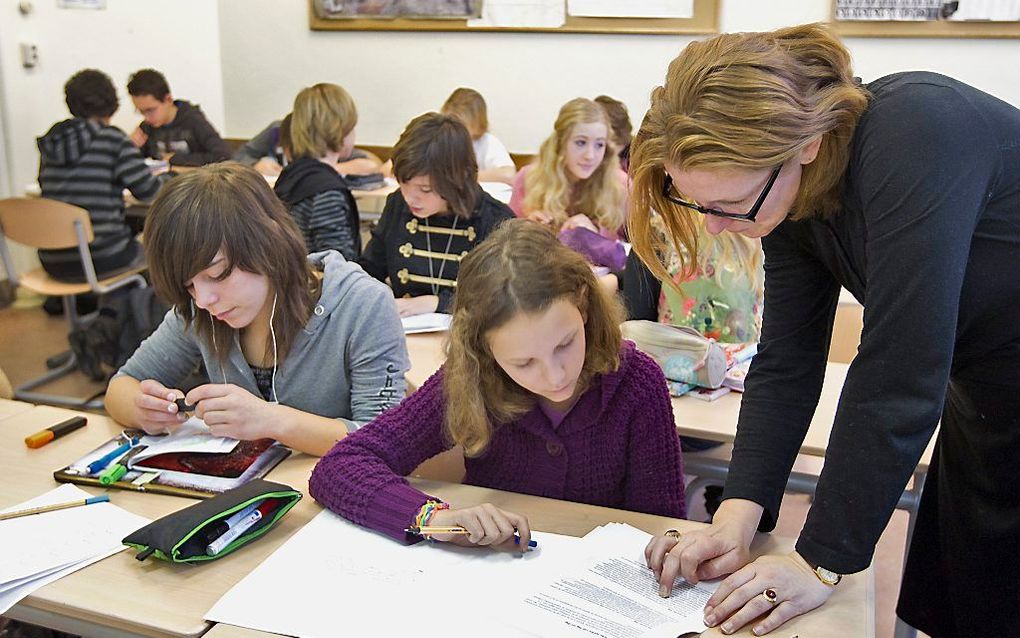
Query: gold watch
[{"x": 827, "y": 576}]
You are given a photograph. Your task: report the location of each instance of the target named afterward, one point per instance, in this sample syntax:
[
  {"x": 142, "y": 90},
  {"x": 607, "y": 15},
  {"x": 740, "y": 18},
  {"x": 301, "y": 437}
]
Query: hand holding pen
[{"x": 485, "y": 524}]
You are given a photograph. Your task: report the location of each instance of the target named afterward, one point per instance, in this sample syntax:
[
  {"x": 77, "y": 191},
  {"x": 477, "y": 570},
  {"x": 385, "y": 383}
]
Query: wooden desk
[
  {"x": 427, "y": 355},
  {"x": 167, "y": 600},
  {"x": 850, "y": 611},
  {"x": 9, "y": 408},
  {"x": 160, "y": 599}
]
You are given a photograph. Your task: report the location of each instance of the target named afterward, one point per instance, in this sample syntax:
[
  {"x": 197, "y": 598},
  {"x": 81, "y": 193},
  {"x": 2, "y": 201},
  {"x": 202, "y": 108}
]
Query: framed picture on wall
[{"x": 415, "y": 9}]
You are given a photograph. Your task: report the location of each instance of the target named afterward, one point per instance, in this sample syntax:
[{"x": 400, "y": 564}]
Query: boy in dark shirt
[{"x": 174, "y": 130}]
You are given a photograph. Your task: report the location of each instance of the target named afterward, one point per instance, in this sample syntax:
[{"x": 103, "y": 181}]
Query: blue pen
[
  {"x": 100, "y": 464},
  {"x": 532, "y": 543}
]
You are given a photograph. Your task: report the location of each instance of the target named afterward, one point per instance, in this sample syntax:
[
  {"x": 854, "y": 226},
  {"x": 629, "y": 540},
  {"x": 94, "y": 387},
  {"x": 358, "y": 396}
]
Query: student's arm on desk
[
  {"x": 132, "y": 173},
  {"x": 361, "y": 162},
  {"x": 362, "y": 477}
]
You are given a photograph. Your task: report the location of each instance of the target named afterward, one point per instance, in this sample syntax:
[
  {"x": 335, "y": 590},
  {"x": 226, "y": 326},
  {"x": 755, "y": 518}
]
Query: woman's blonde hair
[
  {"x": 745, "y": 100},
  {"x": 322, "y": 117},
  {"x": 468, "y": 106},
  {"x": 228, "y": 207},
  {"x": 521, "y": 267},
  {"x": 548, "y": 188}
]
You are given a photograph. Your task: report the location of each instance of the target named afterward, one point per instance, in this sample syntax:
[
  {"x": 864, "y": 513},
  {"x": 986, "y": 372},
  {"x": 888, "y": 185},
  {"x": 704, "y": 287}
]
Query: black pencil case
[{"x": 183, "y": 537}]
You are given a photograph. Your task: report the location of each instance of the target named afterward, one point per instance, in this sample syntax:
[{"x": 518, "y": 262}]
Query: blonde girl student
[
  {"x": 576, "y": 180},
  {"x": 494, "y": 162},
  {"x": 539, "y": 390},
  {"x": 436, "y": 218},
  {"x": 298, "y": 348},
  {"x": 320, "y": 132}
]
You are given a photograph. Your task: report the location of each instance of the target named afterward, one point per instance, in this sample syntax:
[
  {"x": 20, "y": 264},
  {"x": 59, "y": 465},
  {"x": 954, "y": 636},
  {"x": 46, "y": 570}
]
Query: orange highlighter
[{"x": 43, "y": 437}]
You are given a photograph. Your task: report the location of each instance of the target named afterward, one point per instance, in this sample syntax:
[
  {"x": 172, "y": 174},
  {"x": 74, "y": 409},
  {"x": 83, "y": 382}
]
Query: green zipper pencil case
[{"x": 217, "y": 526}]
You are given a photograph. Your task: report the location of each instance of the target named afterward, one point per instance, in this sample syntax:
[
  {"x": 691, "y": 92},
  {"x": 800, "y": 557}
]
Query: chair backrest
[{"x": 43, "y": 223}]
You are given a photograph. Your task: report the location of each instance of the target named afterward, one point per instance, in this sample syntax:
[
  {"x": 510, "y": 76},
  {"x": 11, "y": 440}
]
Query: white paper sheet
[
  {"x": 521, "y": 13},
  {"x": 192, "y": 436},
  {"x": 611, "y": 594},
  {"x": 332, "y": 571},
  {"x": 631, "y": 8},
  {"x": 53, "y": 544},
  {"x": 428, "y": 322}
]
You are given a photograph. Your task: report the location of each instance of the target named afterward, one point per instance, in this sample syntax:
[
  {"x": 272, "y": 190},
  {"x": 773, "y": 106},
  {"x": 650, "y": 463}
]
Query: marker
[
  {"x": 183, "y": 406},
  {"x": 58, "y": 506},
  {"x": 43, "y": 437},
  {"x": 219, "y": 528},
  {"x": 238, "y": 530},
  {"x": 116, "y": 470},
  {"x": 106, "y": 459}
]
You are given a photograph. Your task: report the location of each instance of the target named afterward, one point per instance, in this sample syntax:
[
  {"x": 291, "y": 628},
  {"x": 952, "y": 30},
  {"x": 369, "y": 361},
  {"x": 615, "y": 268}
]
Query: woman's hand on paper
[
  {"x": 410, "y": 306},
  {"x": 486, "y": 525},
  {"x": 234, "y": 412},
  {"x": 155, "y": 410},
  {"x": 741, "y": 597}
]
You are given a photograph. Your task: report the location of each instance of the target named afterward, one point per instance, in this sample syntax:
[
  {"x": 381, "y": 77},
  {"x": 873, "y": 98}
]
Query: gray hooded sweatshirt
[{"x": 348, "y": 362}]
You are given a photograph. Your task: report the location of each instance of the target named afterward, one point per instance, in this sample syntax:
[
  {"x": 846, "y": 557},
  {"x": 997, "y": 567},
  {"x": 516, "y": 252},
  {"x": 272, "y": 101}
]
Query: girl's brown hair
[
  {"x": 323, "y": 115},
  {"x": 521, "y": 267},
  {"x": 469, "y": 106},
  {"x": 549, "y": 190},
  {"x": 619, "y": 119},
  {"x": 745, "y": 100},
  {"x": 439, "y": 147},
  {"x": 228, "y": 207}
]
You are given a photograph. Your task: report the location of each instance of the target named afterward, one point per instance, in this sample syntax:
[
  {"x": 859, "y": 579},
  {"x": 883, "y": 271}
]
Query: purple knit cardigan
[{"x": 617, "y": 447}]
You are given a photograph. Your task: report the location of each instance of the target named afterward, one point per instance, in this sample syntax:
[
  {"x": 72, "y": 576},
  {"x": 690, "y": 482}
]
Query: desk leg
[{"x": 910, "y": 501}]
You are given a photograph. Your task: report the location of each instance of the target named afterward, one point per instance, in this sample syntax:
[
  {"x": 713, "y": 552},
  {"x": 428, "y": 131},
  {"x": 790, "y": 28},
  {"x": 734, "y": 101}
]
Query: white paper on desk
[
  {"x": 428, "y": 322},
  {"x": 332, "y": 566},
  {"x": 631, "y": 8},
  {"x": 53, "y": 544},
  {"x": 521, "y": 13},
  {"x": 611, "y": 593},
  {"x": 192, "y": 436},
  {"x": 499, "y": 190}
]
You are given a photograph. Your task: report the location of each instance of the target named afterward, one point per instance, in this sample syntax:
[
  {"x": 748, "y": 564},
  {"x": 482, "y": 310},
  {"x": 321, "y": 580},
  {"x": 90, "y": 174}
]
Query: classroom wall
[
  {"x": 182, "y": 39},
  {"x": 269, "y": 53}
]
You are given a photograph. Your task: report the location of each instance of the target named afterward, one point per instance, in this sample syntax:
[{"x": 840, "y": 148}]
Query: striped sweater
[{"x": 89, "y": 164}]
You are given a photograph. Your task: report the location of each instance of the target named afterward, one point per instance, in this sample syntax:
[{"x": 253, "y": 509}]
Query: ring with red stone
[{"x": 771, "y": 596}]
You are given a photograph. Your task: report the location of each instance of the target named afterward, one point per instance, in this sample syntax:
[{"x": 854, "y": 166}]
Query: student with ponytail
[
  {"x": 906, "y": 192},
  {"x": 298, "y": 348}
]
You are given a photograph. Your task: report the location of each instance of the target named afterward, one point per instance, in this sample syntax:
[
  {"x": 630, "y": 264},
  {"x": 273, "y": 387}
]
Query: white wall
[
  {"x": 269, "y": 53},
  {"x": 182, "y": 39}
]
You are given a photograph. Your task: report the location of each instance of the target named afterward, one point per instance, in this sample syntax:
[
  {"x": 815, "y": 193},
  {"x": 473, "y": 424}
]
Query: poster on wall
[{"x": 422, "y": 9}]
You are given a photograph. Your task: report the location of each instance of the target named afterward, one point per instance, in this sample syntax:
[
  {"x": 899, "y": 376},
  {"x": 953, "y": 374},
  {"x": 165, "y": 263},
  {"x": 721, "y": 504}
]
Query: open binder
[{"x": 186, "y": 466}]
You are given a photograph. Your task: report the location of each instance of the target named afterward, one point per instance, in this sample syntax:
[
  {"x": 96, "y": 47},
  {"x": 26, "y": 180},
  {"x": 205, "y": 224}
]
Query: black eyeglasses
[{"x": 667, "y": 192}]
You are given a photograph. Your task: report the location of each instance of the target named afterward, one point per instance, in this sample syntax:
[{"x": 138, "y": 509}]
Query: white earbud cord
[{"x": 272, "y": 331}]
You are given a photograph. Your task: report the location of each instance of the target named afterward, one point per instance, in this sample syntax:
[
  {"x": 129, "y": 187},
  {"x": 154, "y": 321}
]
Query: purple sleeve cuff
[{"x": 393, "y": 510}]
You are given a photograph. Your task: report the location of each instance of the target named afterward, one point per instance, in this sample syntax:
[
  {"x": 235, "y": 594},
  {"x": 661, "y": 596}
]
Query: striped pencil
[{"x": 57, "y": 506}]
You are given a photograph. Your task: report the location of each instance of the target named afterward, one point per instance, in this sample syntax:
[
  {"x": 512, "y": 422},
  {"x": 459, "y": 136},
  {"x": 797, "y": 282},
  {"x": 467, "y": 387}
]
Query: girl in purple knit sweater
[{"x": 539, "y": 390}]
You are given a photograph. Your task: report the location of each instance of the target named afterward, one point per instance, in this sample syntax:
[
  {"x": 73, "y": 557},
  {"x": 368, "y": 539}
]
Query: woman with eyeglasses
[{"x": 905, "y": 191}]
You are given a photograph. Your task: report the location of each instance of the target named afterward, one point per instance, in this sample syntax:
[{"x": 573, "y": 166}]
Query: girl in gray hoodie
[{"x": 300, "y": 349}]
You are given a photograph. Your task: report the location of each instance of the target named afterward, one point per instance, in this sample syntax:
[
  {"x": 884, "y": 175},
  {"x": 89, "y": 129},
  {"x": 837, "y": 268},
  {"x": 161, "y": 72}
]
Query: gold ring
[
  {"x": 771, "y": 596},
  {"x": 672, "y": 533}
]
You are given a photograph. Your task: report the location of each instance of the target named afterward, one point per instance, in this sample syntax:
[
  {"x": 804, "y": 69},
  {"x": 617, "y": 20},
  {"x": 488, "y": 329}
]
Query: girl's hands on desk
[
  {"x": 155, "y": 410},
  {"x": 486, "y": 525},
  {"x": 232, "y": 411},
  {"x": 579, "y": 220},
  {"x": 740, "y": 598},
  {"x": 540, "y": 217},
  {"x": 410, "y": 306}
]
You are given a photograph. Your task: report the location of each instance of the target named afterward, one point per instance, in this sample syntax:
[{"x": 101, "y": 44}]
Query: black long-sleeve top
[
  {"x": 928, "y": 240},
  {"x": 400, "y": 242}
]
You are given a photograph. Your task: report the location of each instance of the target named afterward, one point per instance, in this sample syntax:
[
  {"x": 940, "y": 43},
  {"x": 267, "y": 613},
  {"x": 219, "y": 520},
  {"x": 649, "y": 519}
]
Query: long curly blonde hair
[
  {"x": 745, "y": 100},
  {"x": 521, "y": 267},
  {"x": 601, "y": 196}
]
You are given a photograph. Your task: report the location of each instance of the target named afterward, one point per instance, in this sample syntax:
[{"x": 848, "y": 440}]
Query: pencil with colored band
[
  {"x": 103, "y": 498},
  {"x": 429, "y": 530}
]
